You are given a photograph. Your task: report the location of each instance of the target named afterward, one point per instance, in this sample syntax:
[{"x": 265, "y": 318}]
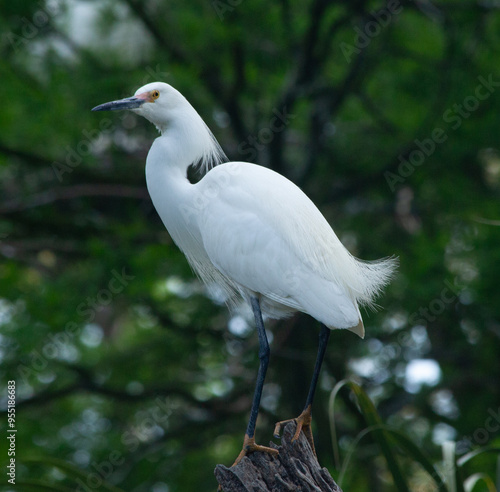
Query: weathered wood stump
[{"x": 294, "y": 469}]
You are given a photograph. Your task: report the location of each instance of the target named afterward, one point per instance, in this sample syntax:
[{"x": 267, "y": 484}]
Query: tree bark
[{"x": 294, "y": 469}]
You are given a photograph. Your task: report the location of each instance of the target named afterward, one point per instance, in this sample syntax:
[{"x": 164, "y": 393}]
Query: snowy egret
[{"x": 253, "y": 233}]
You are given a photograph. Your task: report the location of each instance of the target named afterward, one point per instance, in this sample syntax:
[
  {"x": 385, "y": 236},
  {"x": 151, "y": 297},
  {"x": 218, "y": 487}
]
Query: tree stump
[{"x": 294, "y": 469}]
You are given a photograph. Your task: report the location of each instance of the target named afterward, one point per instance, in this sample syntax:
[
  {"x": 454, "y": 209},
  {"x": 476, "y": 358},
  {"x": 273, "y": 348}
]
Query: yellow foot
[
  {"x": 303, "y": 422},
  {"x": 249, "y": 446}
]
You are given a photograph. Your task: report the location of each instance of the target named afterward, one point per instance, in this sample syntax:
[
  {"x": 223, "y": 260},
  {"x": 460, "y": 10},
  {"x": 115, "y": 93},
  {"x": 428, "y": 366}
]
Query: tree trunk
[{"x": 294, "y": 469}]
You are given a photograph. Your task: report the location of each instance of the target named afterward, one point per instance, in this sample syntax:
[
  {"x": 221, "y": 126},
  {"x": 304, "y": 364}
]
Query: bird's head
[
  {"x": 156, "y": 102},
  {"x": 167, "y": 108}
]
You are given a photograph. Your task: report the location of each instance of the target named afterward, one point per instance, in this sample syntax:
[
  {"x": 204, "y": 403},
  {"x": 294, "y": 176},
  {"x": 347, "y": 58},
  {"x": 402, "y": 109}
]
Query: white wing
[{"x": 265, "y": 235}]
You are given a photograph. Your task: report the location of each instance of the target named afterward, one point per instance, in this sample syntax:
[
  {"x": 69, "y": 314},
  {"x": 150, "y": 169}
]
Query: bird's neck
[
  {"x": 166, "y": 178},
  {"x": 185, "y": 140},
  {"x": 173, "y": 196}
]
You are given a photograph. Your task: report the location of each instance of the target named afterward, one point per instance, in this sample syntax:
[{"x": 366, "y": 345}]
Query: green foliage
[
  {"x": 118, "y": 353},
  {"x": 390, "y": 439},
  {"x": 70, "y": 471}
]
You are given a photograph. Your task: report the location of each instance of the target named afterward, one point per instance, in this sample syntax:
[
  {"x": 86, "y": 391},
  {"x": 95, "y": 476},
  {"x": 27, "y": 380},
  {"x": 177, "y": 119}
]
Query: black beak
[{"x": 127, "y": 103}]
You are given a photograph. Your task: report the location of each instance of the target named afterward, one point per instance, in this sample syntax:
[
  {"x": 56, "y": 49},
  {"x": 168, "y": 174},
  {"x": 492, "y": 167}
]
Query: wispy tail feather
[{"x": 373, "y": 277}]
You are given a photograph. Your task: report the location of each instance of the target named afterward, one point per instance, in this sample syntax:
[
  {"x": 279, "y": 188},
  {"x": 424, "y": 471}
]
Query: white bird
[{"x": 253, "y": 233}]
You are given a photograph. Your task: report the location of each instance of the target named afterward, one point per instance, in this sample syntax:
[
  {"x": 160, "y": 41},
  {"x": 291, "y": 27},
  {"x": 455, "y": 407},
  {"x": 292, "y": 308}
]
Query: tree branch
[
  {"x": 72, "y": 192},
  {"x": 27, "y": 157},
  {"x": 295, "y": 468},
  {"x": 170, "y": 45}
]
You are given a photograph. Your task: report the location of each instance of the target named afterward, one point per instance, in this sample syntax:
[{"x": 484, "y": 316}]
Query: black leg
[
  {"x": 303, "y": 421},
  {"x": 264, "y": 362},
  {"x": 324, "y": 335},
  {"x": 249, "y": 445}
]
